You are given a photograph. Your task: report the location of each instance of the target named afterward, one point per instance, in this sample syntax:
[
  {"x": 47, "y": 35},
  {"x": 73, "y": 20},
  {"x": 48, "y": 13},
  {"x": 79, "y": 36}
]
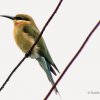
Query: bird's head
[{"x": 20, "y": 19}]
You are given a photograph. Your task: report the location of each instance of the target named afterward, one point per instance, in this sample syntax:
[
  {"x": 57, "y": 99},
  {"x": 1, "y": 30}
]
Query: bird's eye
[
  {"x": 18, "y": 18},
  {"x": 21, "y": 18}
]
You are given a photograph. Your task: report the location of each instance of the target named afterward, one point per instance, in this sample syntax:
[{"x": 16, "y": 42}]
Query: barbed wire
[
  {"x": 72, "y": 60},
  {"x": 29, "y": 52}
]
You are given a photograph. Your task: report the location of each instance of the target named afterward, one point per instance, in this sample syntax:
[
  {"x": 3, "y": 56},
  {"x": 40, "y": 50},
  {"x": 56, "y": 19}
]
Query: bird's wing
[{"x": 34, "y": 32}]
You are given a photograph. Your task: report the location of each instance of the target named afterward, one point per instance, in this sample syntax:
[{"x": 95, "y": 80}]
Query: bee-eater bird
[{"x": 25, "y": 35}]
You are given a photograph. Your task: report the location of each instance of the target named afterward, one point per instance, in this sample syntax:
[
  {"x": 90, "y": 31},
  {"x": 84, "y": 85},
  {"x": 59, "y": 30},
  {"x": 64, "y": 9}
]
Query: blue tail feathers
[{"x": 47, "y": 68}]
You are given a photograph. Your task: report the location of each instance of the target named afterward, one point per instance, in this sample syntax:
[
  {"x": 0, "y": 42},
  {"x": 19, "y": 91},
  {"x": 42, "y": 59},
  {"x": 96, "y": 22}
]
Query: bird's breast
[{"x": 25, "y": 41}]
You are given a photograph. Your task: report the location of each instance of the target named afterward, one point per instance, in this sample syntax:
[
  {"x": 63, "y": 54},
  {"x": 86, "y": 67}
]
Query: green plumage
[{"x": 43, "y": 51}]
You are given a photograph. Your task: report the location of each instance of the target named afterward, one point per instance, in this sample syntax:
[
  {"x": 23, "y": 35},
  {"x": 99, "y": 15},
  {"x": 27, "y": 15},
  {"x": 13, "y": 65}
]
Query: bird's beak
[{"x": 10, "y": 17}]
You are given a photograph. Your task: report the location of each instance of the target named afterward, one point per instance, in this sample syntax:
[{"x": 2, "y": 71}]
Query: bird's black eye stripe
[{"x": 21, "y": 18}]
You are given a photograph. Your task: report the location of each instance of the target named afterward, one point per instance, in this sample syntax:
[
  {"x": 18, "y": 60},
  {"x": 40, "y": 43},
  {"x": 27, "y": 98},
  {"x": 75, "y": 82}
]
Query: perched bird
[{"x": 25, "y": 35}]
